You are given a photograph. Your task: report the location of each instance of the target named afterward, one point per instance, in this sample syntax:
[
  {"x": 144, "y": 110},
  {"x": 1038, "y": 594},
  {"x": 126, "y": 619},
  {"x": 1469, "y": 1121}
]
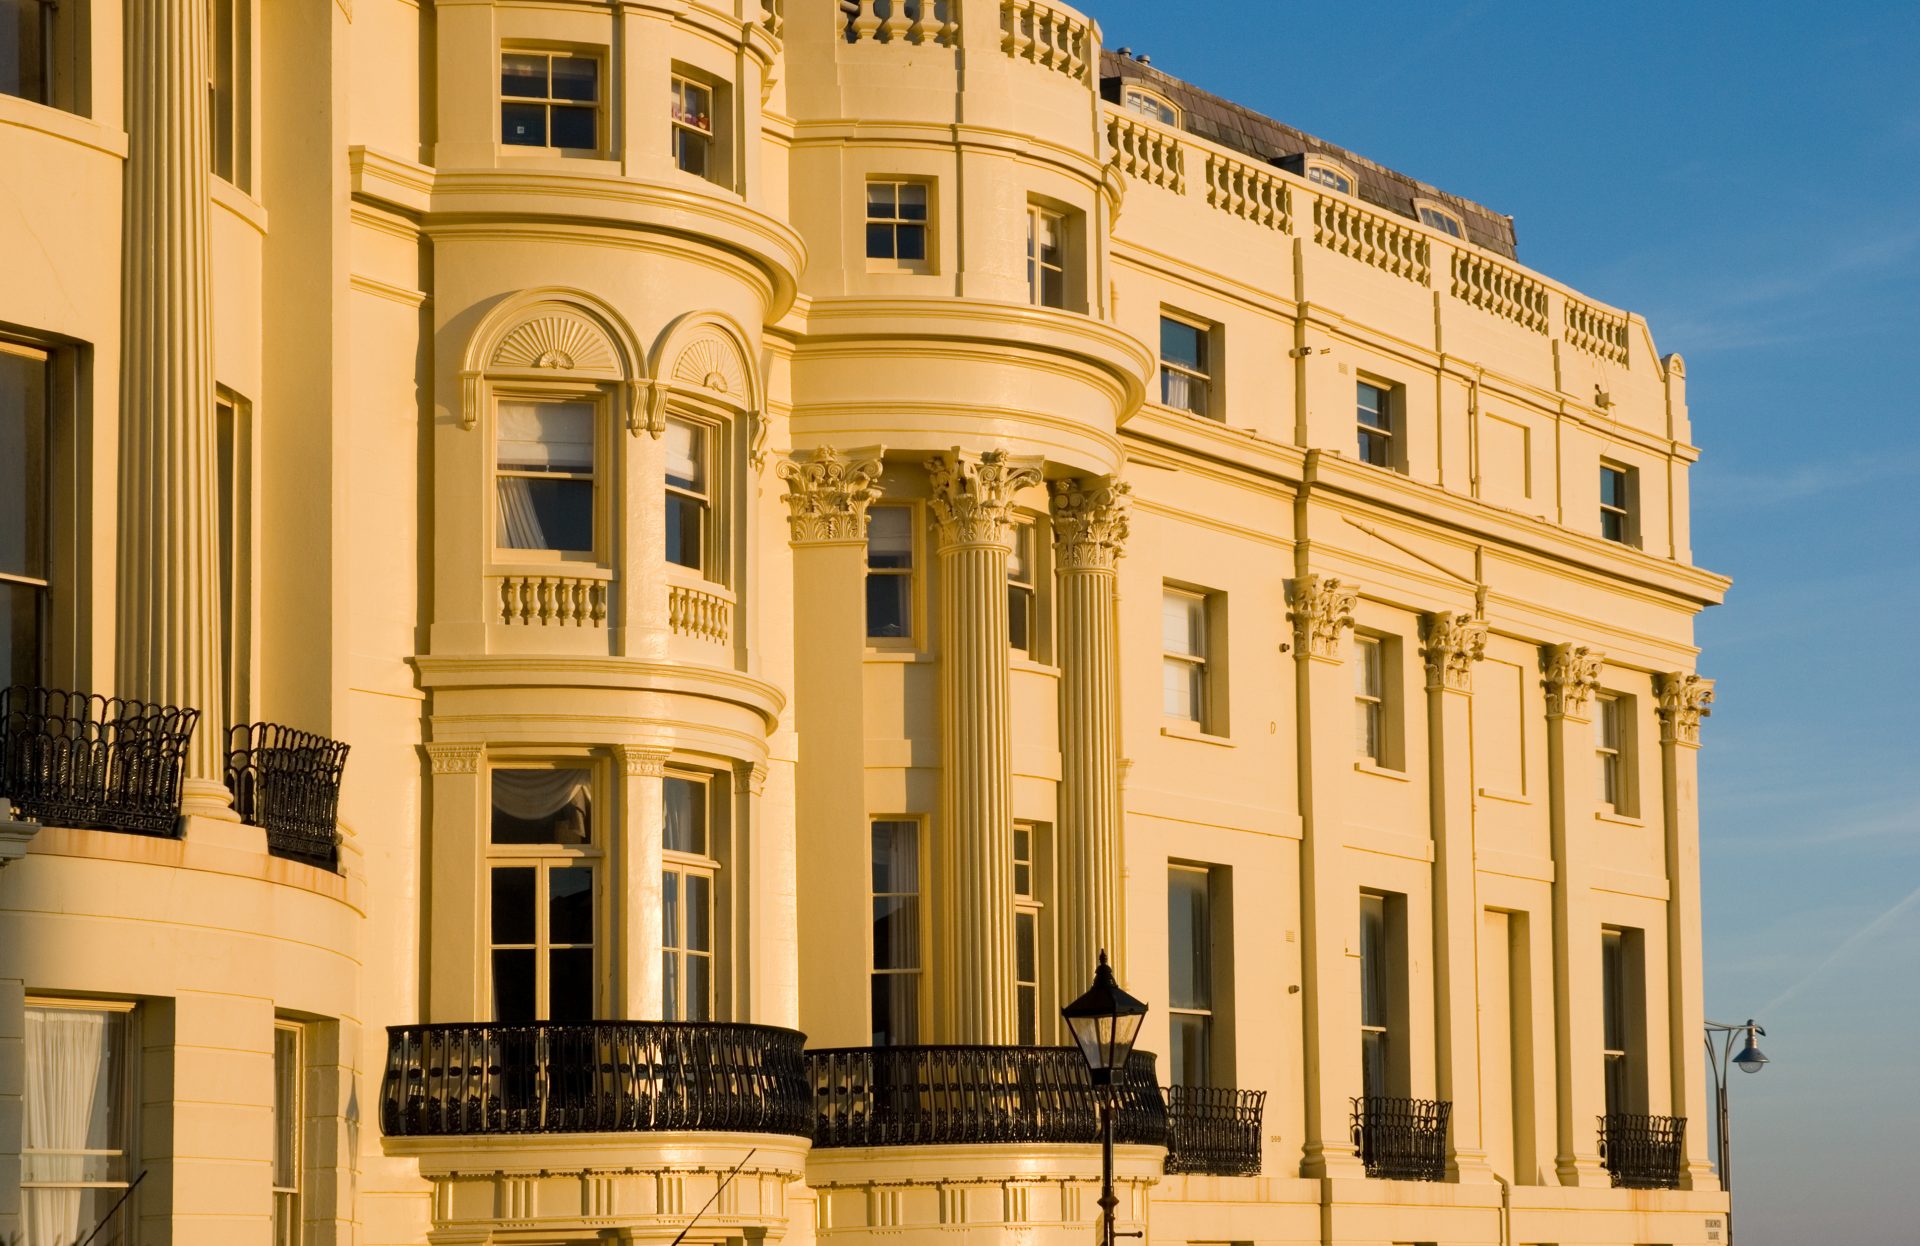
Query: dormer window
[
  {"x": 1147, "y": 104},
  {"x": 1332, "y": 176},
  {"x": 1435, "y": 217}
]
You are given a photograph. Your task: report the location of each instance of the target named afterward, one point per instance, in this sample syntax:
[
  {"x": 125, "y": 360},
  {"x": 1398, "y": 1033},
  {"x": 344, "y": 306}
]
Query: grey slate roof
[{"x": 1268, "y": 141}]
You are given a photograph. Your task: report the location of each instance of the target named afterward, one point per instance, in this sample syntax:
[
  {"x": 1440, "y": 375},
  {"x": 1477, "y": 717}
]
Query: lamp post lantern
[
  {"x": 1749, "y": 1060},
  {"x": 1104, "y": 1022}
]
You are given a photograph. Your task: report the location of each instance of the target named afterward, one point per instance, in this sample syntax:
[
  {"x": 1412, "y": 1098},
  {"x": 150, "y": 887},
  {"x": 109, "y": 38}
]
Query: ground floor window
[{"x": 77, "y": 1133}]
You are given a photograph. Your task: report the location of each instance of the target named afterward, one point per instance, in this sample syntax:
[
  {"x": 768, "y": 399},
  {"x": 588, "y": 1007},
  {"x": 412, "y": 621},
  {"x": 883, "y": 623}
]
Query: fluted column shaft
[
  {"x": 972, "y": 504},
  {"x": 169, "y": 625},
  {"x": 1684, "y": 699},
  {"x": 1090, "y": 530}
]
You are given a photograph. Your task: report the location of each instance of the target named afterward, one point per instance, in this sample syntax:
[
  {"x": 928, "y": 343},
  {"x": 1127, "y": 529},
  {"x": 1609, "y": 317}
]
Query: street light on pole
[
  {"x": 1749, "y": 1060},
  {"x": 1104, "y": 1022}
]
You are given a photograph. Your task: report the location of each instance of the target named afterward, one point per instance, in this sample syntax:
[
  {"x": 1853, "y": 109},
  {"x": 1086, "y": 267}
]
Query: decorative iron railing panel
[
  {"x": 594, "y": 1077},
  {"x": 930, "y": 1096},
  {"x": 287, "y": 782},
  {"x": 1402, "y": 1139},
  {"x": 93, "y": 762},
  {"x": 1214, "y": 1129},
  {"x": 1643, "y": 1152}
]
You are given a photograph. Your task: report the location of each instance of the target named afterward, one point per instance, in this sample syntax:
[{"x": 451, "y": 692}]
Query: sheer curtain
[
  {"x": 73, "y": 1126},
  {"x": 542, "y": 806},
  {"x": 542, "y": 437}
]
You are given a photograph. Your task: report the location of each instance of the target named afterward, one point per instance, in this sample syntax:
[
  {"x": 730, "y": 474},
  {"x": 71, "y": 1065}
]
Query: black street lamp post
[
  {"x": 1105, "y": 1022},
  {"x": 1750, "y": 1060}
]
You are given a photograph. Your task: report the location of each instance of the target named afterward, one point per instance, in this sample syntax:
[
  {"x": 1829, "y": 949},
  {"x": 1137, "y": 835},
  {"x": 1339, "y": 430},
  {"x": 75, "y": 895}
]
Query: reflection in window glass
[
  {"x": 1184, "y": 379},
  {"x": 550, "y": 99},
  {"x": 1183, "y": 643},
  {"x": 890, "y": 572}
]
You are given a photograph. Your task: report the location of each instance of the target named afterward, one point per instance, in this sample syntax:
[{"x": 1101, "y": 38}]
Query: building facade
[{"x": 607, "y": 605}]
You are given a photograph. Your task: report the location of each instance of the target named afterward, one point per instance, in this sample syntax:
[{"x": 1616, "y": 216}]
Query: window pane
[
  {"x": 576, "y": 78},
  {"x": 882, "y": 201},
  {"x": 1374, "y": 1077},
  {"x": 542, "y": 806},
  {"x": 693, "y": 105},
  {"x": 910, "y": 242},
  {"x": 670, "y": 924},
  {"x": 513, "y": 911},
  {"x": 20, "y": 627},
  {"x": 1373, "y": 969},
  {"x": 890, "y": 537},
  {"x": 570, "y": 905},
  {"x": 1189, "y": 941},
  {"x": 1053, "y": 288},
  {"x": 1183, "y": 624},
  {"x": 575, "y": 128},
  {"x": 699, "y": 988},
  {"x": 913, "y": 201},
  {"x": 880, "y": 242},
  {"x": 545, "y": 514},
  {"x": 896, "y": 858},
  {"x": 23, "y": 460},
  {"x": 686, "y": 531},
  {"x": 545, "y": 436},
  {"x": 1027, "y": 1008},
  {"x": 690, "y": 152},
  {"x": 523, "y": 125},
  {"x": 1183, "y": 344},
  {"x": 670, "y": 986},
  {"x": 699, "y": 913},
  {"x": 889, "y": 606},
  {"x": 523, "y": 74},
  {"x": 686, "y": 452},
  {"x": 896, "y": 1009},
  {"x": 1188, "y": 1063},
  {"x": 513, "y": 985},
  {"x": 1372, "y": 405},
  {"x": 286, "y": 1107},
  {"x": 1367, "y": 681},
  {"x": 1026, "y": 946},
  {"x": 570, "y": 995},
  {"x": 1020, "y": 619},
  {"x": 686, "y": 810}
]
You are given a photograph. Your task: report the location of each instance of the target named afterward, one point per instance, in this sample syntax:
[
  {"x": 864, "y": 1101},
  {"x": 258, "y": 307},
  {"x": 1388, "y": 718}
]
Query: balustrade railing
[
  {"x": 594, "y": 1077},
  {"x": 93, "y": 762},
  {"x": 1402, "y": 1139},
  {"x": 1239, "y": 189},
  {"x": 1152, "y": 155},
  {"x": 1494, "y": 287},
  {"x": 287, "y": 783},
  {"x": 553, "y": 601},
  {"x": 1601, "y": 334},
  {"x": 701, "y": 615},
  {"x": 773, "y": 16},
  {"x": 1643, "y": 1152},
  {"x": 1214, "y": 1129},
  {"x": 932, "y": 1096},
  {"x": 1055, "y": 38},
  {"x": 901, "y": 21},
  {"x": 1372, "y": 239}
]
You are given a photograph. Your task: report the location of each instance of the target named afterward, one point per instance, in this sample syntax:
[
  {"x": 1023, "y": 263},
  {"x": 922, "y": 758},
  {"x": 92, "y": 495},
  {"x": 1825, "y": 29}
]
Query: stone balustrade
[
  {"x": 1251, "y": 193},
  {"x": 1047, "y": 35},
  {"x": 1391, "y": 246},
  {"x": 902, "y": 21},
  {"x": 700, "y": 615},
  {"x": 553, "y": 601},
  {"x": 1483, "y": 282},
  {"x": 1152, "y": 155},
  {"x": 1597, "y": 331}
]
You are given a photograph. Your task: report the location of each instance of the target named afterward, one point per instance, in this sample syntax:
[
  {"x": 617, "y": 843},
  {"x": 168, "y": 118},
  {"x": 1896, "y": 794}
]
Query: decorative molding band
[
  {"x": 1451, "y": 643},
  {"x": 1683, "y": 700},
  {"x": 1320, "y": 608},
  {"x": 455, "y": 758},
  {"x": 973, "y": 494},
  {"x": 1090, "y": 523},
  {"x": 828, "y": 495},
  {"x": 642, "y": 763},
  {"x": 1572, "y": 677}
]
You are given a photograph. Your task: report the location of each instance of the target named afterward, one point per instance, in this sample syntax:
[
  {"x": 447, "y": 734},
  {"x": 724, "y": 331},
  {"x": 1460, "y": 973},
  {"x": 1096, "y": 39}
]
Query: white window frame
[
  {"x": 287, "y": 1211},
  {"x": 688, "y": 135},
  {"x": 1163, "y": 110},
  {"x": 1039, "y": 216},
  {"x": 1628, "y": 511},
  {"x": 1381, "y": 1028},
  {"x": 543, "y": 859},
  {"x": 1388, "y": 435},
  {"x": 1199, "y": 381},
  {"x": 1438, "y": 217},
  {"x": 1198, "y": 665},
  {"x": 128, "y": 1213},
  {"x": 916, "y": 827},
  {"x": 894, "y": 261},
  {"x": 1326, "y": 169},
  {"x": 1613, "y": 747},
  {"x": 708, "y": 444},
  {"x": 1032, "y": 1018},
  {"x": 679, "y": 866},
  {"x": 911, "y": 573},
  {"x": 550, "y": 101},
  {"x": 600, "y": 478},
  {"x": 1206, "y": 968},
  {"x": 1023, "y": 598},
  {"x": 1370, "y": 700}
]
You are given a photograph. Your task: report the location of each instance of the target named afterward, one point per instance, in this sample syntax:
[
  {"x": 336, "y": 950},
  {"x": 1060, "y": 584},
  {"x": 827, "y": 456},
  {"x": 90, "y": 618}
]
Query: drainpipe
[{"x": 1506, "y": 1210}]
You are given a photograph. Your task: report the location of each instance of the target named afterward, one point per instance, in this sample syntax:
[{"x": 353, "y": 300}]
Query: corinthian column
[
  {"x": 1683, "y": 700},
  {"x": 973, "y": 508},
  {"x": 169, "y": 624},
  {"x": 1089, "y": 534}
]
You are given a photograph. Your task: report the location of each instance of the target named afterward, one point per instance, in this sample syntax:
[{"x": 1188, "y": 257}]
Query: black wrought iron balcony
[
  {"x": 594, "y": 1077},
  {"x": 1402, "y": 1139},
  {"x": 930, "y": 1096},
  {"x": 93, "y": 762},
  {"x": 1214, "y": 1129},
  {"x": 1643, "y": 1152},
  {"x": 287, "y": 783}
]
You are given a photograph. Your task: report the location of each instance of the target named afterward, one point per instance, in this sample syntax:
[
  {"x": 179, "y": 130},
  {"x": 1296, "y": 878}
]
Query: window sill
[
  {"x": 56, "y": 122},
  {"x": 1191, "y": 731},
  {"x": 1381, "y": 772},
  {"x": 903, "y": 652},
  {"x": 1033, "y": 666},
  {"x": 1604, "y": 814}
]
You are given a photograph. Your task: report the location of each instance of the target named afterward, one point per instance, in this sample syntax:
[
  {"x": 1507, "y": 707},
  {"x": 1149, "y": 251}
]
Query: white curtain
[
  {"x": 537, "y": 437},
  {"x": 72, "y": 1106},
  {"x": 536, "y": 795},
  {"x": 519, "y": 521}
]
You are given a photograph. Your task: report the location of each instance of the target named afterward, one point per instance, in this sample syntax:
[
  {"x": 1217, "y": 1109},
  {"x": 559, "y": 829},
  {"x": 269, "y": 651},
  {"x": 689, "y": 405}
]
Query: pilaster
[
  {"x": 1089, "y": 535},
  {"x": 1321, "y": 609},
  {"x": 827, "y": 497},
  {"x": 454, "y": 971},
  {"x": 1683, "y": 699},
  {"x": 169, "y": 627},
  {"x": 641, "y": 773},
  {"x": 1451, "y": 644},
  {"x": 972, "y": 497},
  {"x": 1572, "y": 676}
]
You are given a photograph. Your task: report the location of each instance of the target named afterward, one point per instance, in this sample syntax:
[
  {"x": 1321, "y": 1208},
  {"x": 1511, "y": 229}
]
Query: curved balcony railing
[
  {"x": 1643, "y": 1152},
  {"x": 931, "y": 1096},
  {"x": 594, "y": 1077},
  {"x": 93, "y": 762},
  {"x": 1402, "y": 1139},
  {"x": 287, "y": 783},
  {"x": 1214, "y": 1129}
]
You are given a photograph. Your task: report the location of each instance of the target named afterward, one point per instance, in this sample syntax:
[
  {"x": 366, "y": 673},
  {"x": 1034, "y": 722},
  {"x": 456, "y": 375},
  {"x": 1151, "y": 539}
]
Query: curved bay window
[
  {"x": 689, "y": 891},
  {"x": 544, "y": 856},
  {"x": 546, "y": 456}
]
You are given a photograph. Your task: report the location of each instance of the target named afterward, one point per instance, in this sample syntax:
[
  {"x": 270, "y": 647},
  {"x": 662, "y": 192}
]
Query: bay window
[{"x": 689, "y": 889}]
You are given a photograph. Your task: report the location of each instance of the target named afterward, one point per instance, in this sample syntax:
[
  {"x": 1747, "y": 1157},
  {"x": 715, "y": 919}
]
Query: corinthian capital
[
  {"x": 1089, "y": 523},
  {"x": 973, "y": 494},
  {"x": 1572, "y": 677},
  {"x": 828, "y": 494},
  {"x": 1451, "y": 644},
  {"x": 1321, "y": 607},
  {"x": 1683, "y": 700}
]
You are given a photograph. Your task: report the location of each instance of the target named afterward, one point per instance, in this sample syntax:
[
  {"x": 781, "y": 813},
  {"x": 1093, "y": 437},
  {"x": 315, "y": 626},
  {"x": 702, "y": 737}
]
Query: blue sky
[{"x": 1747, "y": 176}]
